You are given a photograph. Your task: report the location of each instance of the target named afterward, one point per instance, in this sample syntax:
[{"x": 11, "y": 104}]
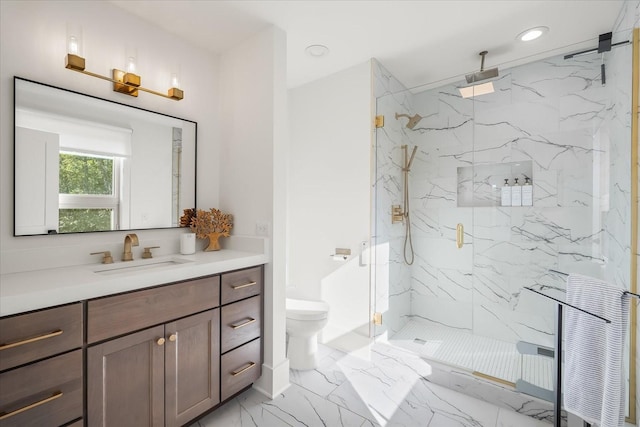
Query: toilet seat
[{"x": 298, "y": 309}]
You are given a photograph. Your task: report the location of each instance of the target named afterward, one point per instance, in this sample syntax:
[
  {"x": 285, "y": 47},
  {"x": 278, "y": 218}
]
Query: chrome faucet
[{"x": 129, "y": 240}]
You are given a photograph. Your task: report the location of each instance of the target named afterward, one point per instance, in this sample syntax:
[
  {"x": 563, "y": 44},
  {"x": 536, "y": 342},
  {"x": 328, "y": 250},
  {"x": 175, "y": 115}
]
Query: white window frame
[{"x": 97, "y": 201}]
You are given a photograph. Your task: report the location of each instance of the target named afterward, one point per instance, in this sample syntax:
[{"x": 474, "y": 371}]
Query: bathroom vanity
[{"x": 160, "y": 354}]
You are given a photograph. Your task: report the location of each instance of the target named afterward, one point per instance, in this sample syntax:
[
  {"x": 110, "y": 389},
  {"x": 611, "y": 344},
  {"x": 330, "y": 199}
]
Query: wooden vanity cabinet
[
  {"x": 158, "y": 357},
  {"x": 241, "y": 328},
  {"x": 164, "y": 375},
  {"x": 41, "y": 367}
]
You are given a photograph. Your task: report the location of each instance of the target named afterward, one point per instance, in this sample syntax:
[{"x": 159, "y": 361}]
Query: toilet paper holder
[{"x": 341, "y": 253}]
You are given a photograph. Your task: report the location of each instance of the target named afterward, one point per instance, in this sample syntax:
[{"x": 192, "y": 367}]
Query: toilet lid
[{"x": 306, "y": 310}]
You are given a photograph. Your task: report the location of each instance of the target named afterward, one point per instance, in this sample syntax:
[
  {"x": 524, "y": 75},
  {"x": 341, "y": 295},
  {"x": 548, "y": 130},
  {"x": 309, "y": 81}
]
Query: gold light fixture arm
[{"x": 77, "y": 63}]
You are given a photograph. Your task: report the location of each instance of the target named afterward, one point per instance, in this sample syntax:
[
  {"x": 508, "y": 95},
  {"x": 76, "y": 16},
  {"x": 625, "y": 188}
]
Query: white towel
[{"x": 594, "y": 383}]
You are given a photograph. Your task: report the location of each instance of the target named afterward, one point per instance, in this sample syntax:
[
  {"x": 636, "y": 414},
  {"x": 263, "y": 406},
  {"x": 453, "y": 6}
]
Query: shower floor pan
[{"x": 485, "y": 355}]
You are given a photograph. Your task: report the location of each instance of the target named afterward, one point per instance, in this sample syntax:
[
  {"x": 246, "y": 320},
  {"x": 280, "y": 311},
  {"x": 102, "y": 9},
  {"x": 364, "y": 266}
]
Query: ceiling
[{"x": 421, "y": 42}]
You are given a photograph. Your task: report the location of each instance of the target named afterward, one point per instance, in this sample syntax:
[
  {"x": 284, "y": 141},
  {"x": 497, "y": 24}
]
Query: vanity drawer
[
  {"x": 117, "y": 315},
  {"x": 239, "y": 368},
  {"x": 240, "y": 323},
  {"x": 241, "y": 284},
  {"x": 33, "y": 336},
  {"x": 46, "y": 393}
]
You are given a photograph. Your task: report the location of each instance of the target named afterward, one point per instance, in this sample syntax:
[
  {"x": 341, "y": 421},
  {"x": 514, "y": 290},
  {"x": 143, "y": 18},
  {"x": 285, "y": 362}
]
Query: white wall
[
  {"x": 151, "y": 150},
  {"x": 252, "y": 182},
  {"x": 330, "y": 166},
  {"x": 33, "y": 46}
]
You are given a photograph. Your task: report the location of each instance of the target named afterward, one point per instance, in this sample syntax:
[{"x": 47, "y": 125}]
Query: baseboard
[{"x": 274, "y": 380}]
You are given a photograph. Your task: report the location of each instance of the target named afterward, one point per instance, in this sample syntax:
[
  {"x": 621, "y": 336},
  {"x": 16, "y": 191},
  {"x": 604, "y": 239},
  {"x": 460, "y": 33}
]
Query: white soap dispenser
[
  {"x": 516, "y": 194},
  {"x": 505, "y": 193},
  {"x": 527, "y": 192}
]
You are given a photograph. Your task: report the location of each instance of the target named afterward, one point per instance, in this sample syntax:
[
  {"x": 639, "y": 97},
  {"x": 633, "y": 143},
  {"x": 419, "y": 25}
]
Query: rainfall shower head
[
  {"x": 482, "y": 74},
  {"x": 413, "y": 121}
]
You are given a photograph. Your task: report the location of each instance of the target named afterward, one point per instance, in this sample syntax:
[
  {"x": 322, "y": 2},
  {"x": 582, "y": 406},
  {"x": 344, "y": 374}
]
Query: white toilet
[{"x": 304, "y": 320}]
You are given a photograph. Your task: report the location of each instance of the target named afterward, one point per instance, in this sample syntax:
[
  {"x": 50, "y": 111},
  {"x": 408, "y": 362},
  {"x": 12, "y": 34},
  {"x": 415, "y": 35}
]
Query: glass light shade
[
  {"x": 74, "y": 39},
  {"x": 131, "y": 64},
  {"x": 175, "y": 80}
]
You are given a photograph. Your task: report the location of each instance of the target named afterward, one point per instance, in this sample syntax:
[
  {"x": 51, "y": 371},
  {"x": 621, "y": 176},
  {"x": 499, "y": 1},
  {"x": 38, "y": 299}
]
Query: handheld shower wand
[{"x": 408, "y": 243}]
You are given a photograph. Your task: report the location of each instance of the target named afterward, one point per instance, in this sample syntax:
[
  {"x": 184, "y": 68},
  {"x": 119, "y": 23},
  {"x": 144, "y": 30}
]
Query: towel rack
[
  {"x": 557, "y": 357},
  {"x": 565, "y": 274}
]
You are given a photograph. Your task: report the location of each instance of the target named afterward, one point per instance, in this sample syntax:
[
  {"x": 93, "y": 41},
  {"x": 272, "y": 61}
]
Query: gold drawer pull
[
  {"x": 240, "y": 325},
  {"x": 5, "y": 415},
  {"x": 32, "y": 339},
  {"x": 243, "y": 370},
  {"x": 246, "y": 285}
]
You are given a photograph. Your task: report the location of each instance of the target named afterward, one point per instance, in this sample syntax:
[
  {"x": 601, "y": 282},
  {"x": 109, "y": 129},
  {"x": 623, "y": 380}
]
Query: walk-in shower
[{"x": 466, "y": 306}]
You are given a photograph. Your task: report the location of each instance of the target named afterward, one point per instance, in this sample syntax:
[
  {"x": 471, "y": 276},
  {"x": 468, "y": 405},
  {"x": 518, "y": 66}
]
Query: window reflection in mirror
[{"x": 85, "y": 164}]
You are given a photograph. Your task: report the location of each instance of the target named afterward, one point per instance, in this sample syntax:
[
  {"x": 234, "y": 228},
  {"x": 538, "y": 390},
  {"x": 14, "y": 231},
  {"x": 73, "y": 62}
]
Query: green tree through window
[{"x": 85, "y": 175}]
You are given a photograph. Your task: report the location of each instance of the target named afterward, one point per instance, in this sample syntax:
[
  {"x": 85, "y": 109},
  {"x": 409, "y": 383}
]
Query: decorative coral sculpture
[
  {"x": 185, "y": 219},
  {"x": 211, "y": 224}
]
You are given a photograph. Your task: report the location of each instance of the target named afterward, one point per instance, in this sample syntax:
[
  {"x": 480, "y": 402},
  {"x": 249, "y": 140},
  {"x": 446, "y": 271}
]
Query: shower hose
[{"x": 407, "y": 235}]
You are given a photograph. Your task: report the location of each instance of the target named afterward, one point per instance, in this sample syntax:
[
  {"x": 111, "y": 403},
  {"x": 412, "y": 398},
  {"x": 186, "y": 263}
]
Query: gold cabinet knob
[
  {"x": 160, "y": 341},
  {"x": 173, "y": 337}
]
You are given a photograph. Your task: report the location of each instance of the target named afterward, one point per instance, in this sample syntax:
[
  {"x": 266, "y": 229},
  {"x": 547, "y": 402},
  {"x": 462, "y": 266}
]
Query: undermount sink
[{"x": 140, "y": 265}]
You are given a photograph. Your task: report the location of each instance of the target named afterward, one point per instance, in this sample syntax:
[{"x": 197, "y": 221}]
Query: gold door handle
[
  {"x": 160, "y": 341},
  {"x": 173, "y": 337},
  {"x": 246, "y": 285},
  {"x": 243, "y": 370},
  {"x": 31, "y": 339},
  {"x": 240, "y": 325},
  {"x": 5, "y": 415},
  {"x": 459, "y": 235}
]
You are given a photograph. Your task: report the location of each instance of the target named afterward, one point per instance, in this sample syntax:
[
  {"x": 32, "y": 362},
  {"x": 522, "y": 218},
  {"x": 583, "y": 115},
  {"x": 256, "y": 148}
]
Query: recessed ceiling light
[
  {"x": 532, "y": 33},
  {"x": 317, "y": 50}
]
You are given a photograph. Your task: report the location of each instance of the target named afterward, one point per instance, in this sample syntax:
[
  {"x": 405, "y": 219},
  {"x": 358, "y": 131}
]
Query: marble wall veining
[{"x": 554, "y": 113}]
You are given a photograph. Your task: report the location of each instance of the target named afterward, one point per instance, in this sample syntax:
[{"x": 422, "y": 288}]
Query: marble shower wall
[
  {"x": 575, "y": 132},
  {"x": 556, "y": 114}
]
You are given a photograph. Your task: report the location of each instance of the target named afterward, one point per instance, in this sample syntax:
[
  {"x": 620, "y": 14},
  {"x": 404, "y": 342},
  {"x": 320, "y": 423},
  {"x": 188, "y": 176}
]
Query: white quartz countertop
[{"x": 33, "y": 290}]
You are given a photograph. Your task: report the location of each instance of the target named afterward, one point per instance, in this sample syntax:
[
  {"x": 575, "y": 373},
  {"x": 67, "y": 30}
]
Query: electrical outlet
[{"x": 262, "y": 228}]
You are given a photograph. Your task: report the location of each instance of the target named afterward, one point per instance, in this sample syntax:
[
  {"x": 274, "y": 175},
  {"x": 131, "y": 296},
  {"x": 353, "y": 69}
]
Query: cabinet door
[
  {"x": 192, "y": 373},
  {"x": 125, "y": 381}
]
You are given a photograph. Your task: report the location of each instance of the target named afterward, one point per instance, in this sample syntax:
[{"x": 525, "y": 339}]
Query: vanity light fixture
[
  {"x": 532, "y": 33},
  {"x": 127, "y": 82}
]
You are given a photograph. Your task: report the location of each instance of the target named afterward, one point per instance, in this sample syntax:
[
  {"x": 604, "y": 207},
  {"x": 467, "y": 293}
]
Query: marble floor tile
[
  {"x": 508, "y": 418},
  {"x": 322, "y": 380},
  {"x": 390, "y": 388}
]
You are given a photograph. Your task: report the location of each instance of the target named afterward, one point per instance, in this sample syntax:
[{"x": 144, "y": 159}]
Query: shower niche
[{"x": 482, "y": 185}]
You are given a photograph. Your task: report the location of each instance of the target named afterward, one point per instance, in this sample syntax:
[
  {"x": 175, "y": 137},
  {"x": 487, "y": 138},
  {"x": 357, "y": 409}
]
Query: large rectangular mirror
[{"x": 85, "y": 164}]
